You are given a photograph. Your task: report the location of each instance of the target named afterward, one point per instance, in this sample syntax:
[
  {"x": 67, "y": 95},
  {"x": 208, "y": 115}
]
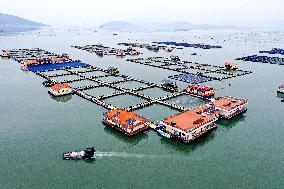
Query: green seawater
[{"x": 245, "y": 152}]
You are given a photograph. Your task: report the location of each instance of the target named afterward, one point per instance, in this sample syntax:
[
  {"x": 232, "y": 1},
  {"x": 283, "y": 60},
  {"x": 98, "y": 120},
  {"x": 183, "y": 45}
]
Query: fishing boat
[
  {"x": 169, "y": 85},
  {"x": 169, "y": 49},
  {"x": 87, "y": 153},
  {"x": 281, "y": 89},
  {"x": 112, "y": 70},
  {"x": 60, "y": 89},
  {"x": 99, "y": 53},
  {"x": 5, "y": 55},
  {"x": 174, "y": 58},
  {"x": 24, "y": 68},
  {"x": 49, "y": 82},
  {"x": 229, "y": 107},
  {"x": 200, "y": 91},
  {"x": 231, "y": 66},
  {"x": 120, "y": 52},
  {"x": 161, "y": 130}
]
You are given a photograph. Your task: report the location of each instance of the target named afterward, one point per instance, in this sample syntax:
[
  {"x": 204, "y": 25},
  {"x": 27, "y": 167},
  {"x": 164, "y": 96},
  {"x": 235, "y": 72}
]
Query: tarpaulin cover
[{"x": 56, "y": 66}]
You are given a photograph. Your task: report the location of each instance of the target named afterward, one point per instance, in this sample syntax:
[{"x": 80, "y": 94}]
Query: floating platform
[
  {"x": 191, "y": 124},
  {"x": 274, "y": 51},
  {"x": 129, "y": 123},
  {"x": 193, "y": 45},
  {"x": 193, "y": 72},
  {"x": 102, "y": 50},
  {"x": 263, "y": 59},
  {"x": 198, "y": 125}
]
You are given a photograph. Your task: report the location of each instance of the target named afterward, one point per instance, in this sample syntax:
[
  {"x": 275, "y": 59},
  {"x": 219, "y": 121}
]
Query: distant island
[
  {"x": 177, "y": 26},
  {"x": 10, "y": 23}
]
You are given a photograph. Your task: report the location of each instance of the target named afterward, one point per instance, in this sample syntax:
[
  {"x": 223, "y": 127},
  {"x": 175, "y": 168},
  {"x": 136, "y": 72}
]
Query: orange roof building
[
  {"x": 63, "y": 59},
  {"x": 229, "y": 106},
  {"x": 190, "y": 124},
  {"x": 30, "y": 62},
  {"x": 127, "y": 122},
  {"x": 60, "y": 89}
]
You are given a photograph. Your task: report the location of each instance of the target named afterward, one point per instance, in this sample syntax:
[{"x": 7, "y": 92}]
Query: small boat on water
[
  {"x": 112, "y": 70},
  {"x": 280, "y": 89},
  {"x": 200, "y": 91},
  {"x": 49, "y": 82},
  {"x": 87, "y": 153},
  {"x": 120, "y": 53},
  {"x": 99, "y": 53},
  {"x": 169, "y": 85},
  {"x": 174, "y": 58},
  {"x": 231, "y": 66},
  {"x": 169, "y": 49},
  {"x": 5, "y": 55},
  {"x": 24, "y": 68},
  {"x": 161, "y": 130}
]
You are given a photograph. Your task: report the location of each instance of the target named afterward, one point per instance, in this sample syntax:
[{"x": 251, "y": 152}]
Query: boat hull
[
  {"x": 229, "y": 115},
  {"x": 60, "y": 94},
  {"x": 280, "y": 91}
]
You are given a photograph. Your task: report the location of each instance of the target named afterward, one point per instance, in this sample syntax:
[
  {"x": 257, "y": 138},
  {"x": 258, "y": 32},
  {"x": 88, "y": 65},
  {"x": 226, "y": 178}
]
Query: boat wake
[{"x": 100, "y": 155}]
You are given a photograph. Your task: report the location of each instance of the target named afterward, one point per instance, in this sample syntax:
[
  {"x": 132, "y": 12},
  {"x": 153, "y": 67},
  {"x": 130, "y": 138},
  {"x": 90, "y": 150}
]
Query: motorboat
[{"x": 87, "y": 153}]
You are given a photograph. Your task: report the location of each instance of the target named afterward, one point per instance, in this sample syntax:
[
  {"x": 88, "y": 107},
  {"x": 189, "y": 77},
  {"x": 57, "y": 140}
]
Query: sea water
[{"x": 244, "y": 152}]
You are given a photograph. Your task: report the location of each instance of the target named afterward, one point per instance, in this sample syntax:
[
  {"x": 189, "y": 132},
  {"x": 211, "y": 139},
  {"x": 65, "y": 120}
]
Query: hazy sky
[{"x": 96, "y": 12}]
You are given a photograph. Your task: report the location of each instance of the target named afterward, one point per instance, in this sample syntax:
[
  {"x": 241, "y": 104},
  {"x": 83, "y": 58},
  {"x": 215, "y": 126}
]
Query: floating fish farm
[
  {"x": 72, "y": 77},
  {"x": 197, "y": 45},
  {"x": 263, "y": 59},
  {"x": 274, "y": 51},
  {"x": 190, "y": 72},
  {"x": 94, "y": 75},
  {"x": 150, "y": 47},
  {"x": 101, "y": 50}
]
